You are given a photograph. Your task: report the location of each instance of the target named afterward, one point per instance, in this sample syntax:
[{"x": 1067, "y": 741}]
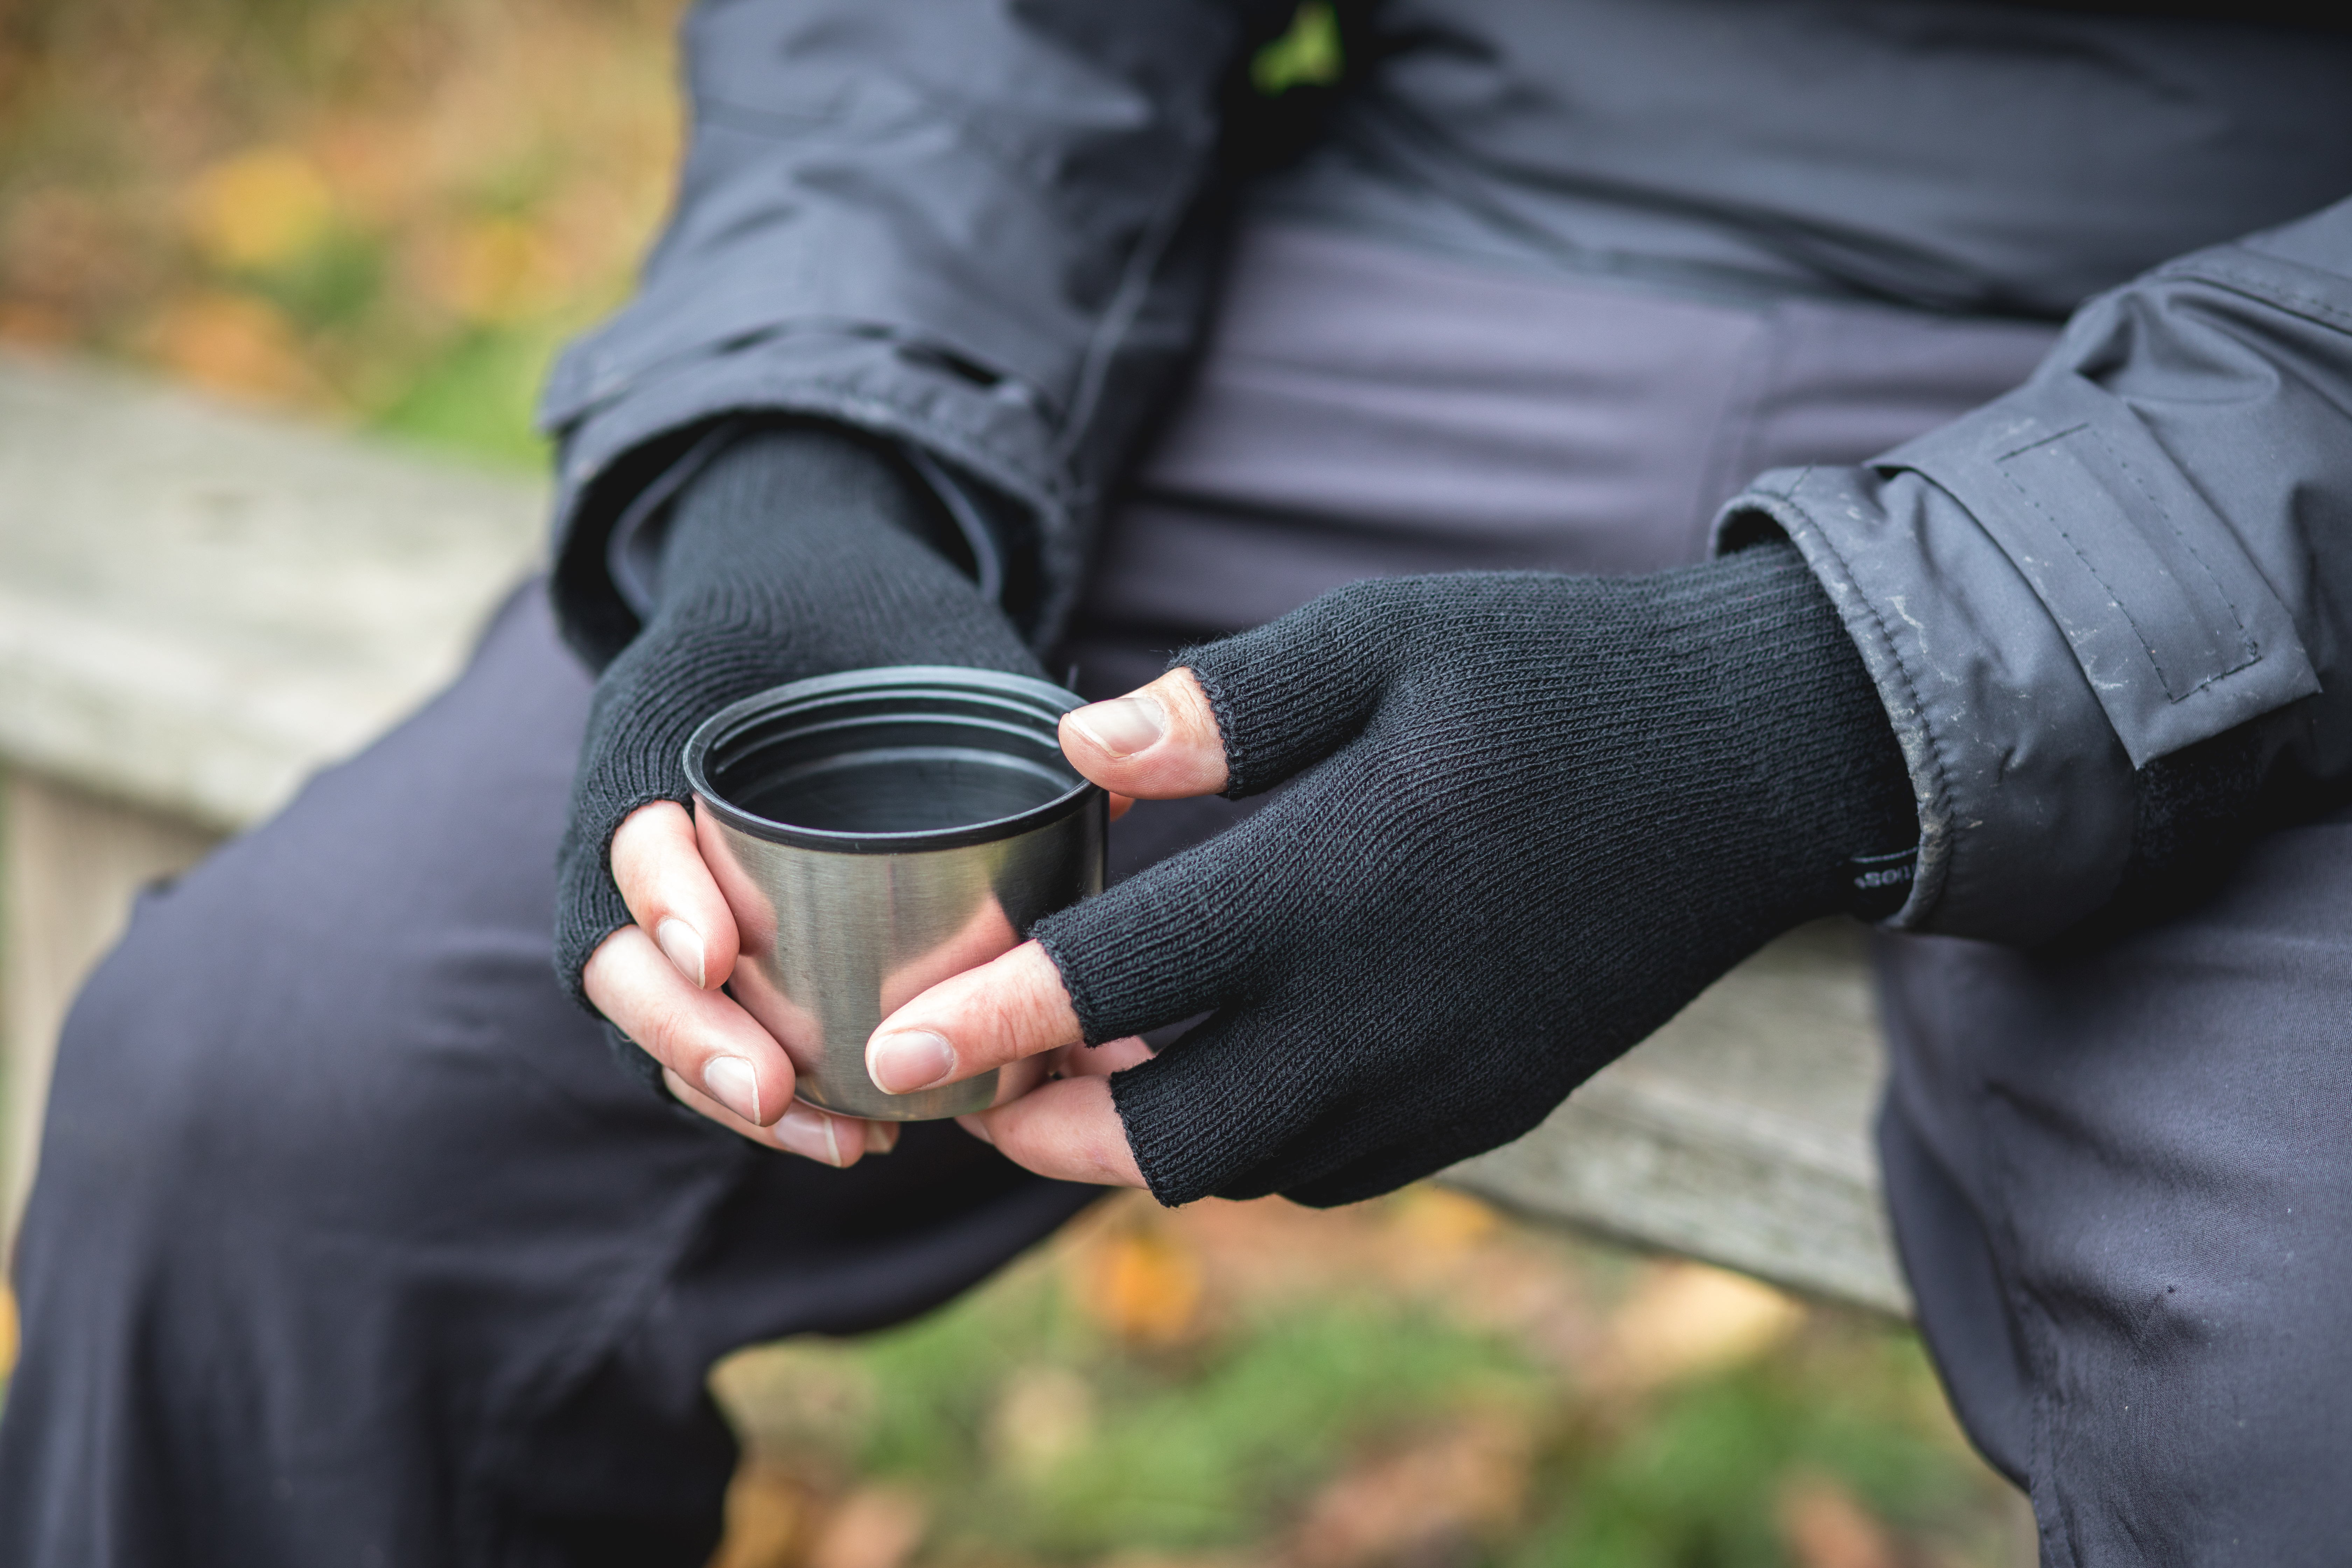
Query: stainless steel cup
[{"x": 876, "y": 832}]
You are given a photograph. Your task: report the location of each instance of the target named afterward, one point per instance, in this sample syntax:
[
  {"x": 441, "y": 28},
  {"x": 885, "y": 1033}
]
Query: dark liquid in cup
[
  {"x": 896, "y": 760},
  {"x": 901, "y": 789}
]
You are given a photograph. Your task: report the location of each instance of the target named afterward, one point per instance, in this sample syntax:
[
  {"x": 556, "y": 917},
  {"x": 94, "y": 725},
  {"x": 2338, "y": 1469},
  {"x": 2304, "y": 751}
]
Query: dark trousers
[{"x": 349, "y": 1245}]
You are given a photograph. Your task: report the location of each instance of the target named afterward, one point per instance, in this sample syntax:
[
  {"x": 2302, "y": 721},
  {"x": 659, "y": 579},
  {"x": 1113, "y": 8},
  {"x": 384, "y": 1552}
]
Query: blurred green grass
[
  {"x": 475, "y": 398},
  {"x": 1364, "y": 1402},
  {"x": 1204, "y": 1454}
]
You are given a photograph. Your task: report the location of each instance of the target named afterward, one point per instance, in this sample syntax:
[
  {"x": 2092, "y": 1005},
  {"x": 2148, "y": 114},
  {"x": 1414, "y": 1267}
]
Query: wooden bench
[{"x": 200, "y": 605}]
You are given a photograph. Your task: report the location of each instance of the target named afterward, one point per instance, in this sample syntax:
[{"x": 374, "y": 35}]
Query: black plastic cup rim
[{"x": 991, "y": 699}]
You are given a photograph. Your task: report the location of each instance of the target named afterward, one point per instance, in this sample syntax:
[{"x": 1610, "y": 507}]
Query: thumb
[
  {"x": 1244, "y": 714},
  {"x": 1291, "y": 692},
  {"x": 1159, "y": 741}
]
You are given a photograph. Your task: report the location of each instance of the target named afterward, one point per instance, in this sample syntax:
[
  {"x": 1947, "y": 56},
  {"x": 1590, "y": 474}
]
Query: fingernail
[
  {"x": 881, "y": 1137},
  {"x": 682, "y": 944},
  {"x": 1124, "y": 725},
  {"x": 899, "y": 1064},
  {"x": 977, "y": 1127},
  {"x": 808, "y": 1131},
  {"x": 733, "y": 1084}
]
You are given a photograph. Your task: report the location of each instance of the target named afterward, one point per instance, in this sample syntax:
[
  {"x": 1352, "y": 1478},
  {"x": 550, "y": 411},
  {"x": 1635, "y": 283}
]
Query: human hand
[
  {"x": 663, "y": 991},
  {"x": 1015, "y": 1009},
  {"x": 796, "y": 553},
  {"x": 1530, "y": 817},
  {"x": 658, "y": 979}
]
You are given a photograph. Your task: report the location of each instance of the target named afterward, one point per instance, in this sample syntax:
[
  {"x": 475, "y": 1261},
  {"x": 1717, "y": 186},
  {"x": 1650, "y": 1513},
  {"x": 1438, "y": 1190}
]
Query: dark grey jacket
[{"x": 988, "y": 231}]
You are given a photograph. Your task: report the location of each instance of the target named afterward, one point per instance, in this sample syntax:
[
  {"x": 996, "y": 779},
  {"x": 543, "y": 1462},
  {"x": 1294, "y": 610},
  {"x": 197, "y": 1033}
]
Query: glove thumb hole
[
  {"x": 1293, "y": 691},
  {"x": 1174, "y": 940},
  {"x": 1159, "y": 741}
]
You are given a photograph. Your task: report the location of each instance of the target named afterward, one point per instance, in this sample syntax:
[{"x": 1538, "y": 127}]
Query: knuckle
[{"x": 667, "y": 1032}]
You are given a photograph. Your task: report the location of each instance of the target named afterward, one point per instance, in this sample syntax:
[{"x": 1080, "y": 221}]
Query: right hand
[
  {"x": 662, "y": 990},
  {"x": 795, "y": 553}
]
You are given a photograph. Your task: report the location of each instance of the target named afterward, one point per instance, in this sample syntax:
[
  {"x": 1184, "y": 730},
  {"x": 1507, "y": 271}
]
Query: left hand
[
  {"x": 1016, "y": 1005},
  {"x": 1531, "y": 816}
]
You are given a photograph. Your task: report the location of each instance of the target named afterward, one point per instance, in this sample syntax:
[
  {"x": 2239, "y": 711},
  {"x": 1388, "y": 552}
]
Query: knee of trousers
[
  {"x": 275, "y": 1076},
  {"x": 2142, "y": 1171}
]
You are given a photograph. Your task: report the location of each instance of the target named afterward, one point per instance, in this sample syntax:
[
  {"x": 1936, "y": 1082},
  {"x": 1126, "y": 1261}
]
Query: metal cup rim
[{"x": 1048, "y": 703}]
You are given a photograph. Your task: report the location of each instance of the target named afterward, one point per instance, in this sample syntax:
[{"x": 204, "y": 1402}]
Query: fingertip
[
  {"x": 682, "y": 945},
  {"x": 657, "y": 865},
  {"x": 1012, "y": 1008},
  {"x": 819, "y": 1135},
  {"x": 734, "y": 1083},
  {"x": 1069, "y": 1129},
  {"x": 1159, "y": 741},
  {"x": 904, "y": 1061},
  {"x": 637, "y": 986},
  {"x": 1119, "y": 728}
]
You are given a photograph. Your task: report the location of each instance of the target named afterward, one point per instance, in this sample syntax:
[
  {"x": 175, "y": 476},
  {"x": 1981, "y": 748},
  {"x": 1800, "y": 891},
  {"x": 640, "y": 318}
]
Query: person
[{"x": 1422, "y": 419}]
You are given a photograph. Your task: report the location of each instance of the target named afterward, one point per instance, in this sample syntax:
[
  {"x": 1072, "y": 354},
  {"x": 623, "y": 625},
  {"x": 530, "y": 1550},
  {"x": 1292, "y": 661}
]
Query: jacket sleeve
[
  {"x": 968, "y": 229},
  {"x": 2110, "y": 614}
]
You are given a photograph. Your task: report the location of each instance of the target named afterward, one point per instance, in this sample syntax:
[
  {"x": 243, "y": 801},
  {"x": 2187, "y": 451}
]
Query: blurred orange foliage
[
  {"x": 262, "y": 208},
  {"x": 236, "y": 344},
  {"x": 378, "y": 182},
  {"x": 1142, "y": 1284},
  {"x": 1824, "y": 1527}
]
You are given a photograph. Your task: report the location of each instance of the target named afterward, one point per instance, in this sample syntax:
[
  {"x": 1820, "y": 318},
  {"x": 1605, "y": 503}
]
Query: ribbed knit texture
[
  {"x": 797, "y": 552},
  {"x": 1533, "y": 816}
]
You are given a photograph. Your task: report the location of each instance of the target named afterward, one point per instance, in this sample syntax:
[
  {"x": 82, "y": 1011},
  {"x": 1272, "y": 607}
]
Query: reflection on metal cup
[{"x": 876, "y": 832}]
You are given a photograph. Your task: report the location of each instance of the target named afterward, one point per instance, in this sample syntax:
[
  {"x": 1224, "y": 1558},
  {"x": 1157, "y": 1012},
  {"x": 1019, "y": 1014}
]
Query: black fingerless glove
[
  {"x": 795, "y": 553},
  {"x": 1533, "y": 816}
]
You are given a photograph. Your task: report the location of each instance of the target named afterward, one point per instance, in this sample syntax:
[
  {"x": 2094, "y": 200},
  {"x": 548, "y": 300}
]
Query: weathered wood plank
[
  {"x": 200, "y": 604},
  {"x": 1739, "y": 1132}
]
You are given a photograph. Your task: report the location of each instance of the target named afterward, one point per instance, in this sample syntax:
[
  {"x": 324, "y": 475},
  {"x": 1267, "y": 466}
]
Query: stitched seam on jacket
[
  {"x": 2108, "y": 589},
  {"x": 750, "y": 350},
  {"x": 2254, "y": 654},
  {"x": 883, "y": 414},
  {"x": 2292, "y": 300},
  {"x": 2034, "y": 1327}
]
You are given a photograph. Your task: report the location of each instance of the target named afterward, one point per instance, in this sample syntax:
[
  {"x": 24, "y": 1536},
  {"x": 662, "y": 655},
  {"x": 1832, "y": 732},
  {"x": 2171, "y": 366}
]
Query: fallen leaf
[
  {"x": 1440, "y": 1220},
  {"x": 1686, "y": 1318},
  {"x": 1143, "y": 1285},
  {"x": 1465, "y": 1483},
  {"x": 237, "y": 344},
  {"x": 32, "y": 325},
  {"x": 875, "y": 1527},
  {"x": 1042, "y": 1416},
  {"x": 1824, "y": 1527},
  {"x": 767, "y": 1515},
  {"x": 492, "y": 271},
  {"x": 262, "y": 208}
]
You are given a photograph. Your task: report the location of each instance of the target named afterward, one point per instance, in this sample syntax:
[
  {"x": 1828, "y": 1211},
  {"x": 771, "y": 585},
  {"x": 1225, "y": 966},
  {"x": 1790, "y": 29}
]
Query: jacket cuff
[
  {"x": 2024, "y": 795},
  {"x": 620, "y": 429},
  {"x": 2094, "y": 571}
]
